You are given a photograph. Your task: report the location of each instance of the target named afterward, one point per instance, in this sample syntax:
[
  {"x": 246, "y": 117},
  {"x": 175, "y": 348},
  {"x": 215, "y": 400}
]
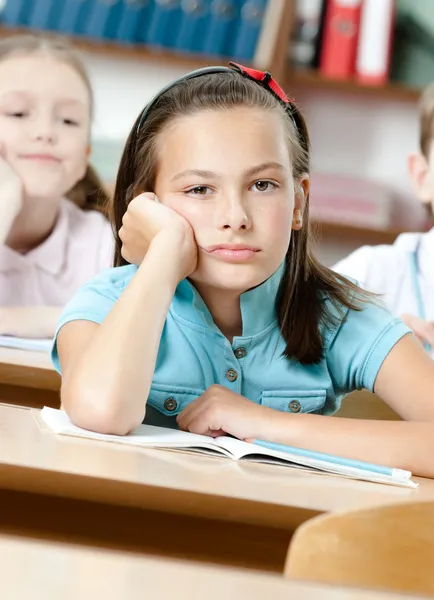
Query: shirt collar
[
  {"x": 258, "y": 305},
  {"x": 49, "y": 256}
]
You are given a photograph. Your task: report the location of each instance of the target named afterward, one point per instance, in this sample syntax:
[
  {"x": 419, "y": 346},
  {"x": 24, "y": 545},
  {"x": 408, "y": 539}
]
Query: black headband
[{"x": 263, "y": 78}]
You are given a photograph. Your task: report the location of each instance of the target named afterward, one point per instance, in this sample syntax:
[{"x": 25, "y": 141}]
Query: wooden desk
[
  {"x": 162, "y": 502},
  {"x": 28, "y": 378},
  {"x": 49, "y": 571}
]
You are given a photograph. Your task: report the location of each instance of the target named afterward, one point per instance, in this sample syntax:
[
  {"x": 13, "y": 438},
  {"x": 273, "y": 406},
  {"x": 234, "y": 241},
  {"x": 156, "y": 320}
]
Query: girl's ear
[
  {"x": 419, "y": 170},
  {"x": 302, "y": 186}
]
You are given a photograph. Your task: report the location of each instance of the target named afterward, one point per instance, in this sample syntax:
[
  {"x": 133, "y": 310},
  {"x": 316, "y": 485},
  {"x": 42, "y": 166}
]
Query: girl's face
[
  {"x": 229, "y": 174},
  {"x": 44, "y": 123}
]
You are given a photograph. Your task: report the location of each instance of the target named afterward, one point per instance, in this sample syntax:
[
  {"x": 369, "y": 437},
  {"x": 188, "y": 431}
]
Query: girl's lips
[{"x": 232, "y": 252}]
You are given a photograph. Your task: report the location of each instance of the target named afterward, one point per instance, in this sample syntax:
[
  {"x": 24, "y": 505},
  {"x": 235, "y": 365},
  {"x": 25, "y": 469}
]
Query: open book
[
  {"x": 149, "y": 436},
  {"x": 34, "y": 344}
]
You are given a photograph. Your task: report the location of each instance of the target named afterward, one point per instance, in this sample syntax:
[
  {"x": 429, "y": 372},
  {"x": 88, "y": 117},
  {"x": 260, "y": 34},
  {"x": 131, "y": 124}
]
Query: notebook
[
  {"x": 149, "y": 436},
  {"x": 38, "y": 345}
]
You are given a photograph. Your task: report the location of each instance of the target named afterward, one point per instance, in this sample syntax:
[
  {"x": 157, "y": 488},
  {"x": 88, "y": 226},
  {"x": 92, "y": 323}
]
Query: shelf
[
  {"x": 113, "y": 49},
  {"x": 304, "y": 78},
  {"x": 360, "y": 234}
]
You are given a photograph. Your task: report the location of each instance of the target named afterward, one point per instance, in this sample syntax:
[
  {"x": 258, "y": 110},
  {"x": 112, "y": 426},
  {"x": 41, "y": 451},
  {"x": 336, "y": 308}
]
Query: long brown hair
[
  {"x": 311, "y": 296},
  {"x": 88, "y": 193}
]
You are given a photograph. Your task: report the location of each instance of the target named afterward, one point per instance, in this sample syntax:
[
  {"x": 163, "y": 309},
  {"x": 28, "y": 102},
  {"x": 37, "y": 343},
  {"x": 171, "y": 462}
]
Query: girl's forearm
[
  {"x": 29, "y": 321},
  {"x": 402, "y": 444},
  {"x": 107, "y": 388}
]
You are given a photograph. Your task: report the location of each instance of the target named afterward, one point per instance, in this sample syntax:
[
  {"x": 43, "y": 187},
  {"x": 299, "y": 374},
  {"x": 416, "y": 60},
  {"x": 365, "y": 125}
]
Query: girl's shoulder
[
  {"x": 89, "y": 233},
  {"x": 88, "y": 220}
]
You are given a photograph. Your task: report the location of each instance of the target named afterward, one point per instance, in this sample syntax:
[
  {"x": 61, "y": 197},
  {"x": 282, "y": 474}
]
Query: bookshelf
[
  {"x": 312, "y": 80},
  {"x": 294, "y": 80},
  {"x": 339, "y": 231}
]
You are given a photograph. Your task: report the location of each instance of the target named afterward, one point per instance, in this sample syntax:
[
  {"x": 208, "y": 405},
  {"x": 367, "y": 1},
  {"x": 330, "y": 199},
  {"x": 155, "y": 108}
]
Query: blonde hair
[{"x": 88, "y": 193}]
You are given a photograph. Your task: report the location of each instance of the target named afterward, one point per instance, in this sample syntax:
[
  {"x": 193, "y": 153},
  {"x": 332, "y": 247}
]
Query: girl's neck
[
  {"x": 33, "y": 224},
  {"x": 225, "y": 309}
]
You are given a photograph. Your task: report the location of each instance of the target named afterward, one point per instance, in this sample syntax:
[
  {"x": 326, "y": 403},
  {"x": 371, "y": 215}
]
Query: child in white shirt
[{"x": 403, "y": 272}]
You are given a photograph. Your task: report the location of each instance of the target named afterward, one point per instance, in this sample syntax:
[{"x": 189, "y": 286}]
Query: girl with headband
[{"x": 216, "y": 317}]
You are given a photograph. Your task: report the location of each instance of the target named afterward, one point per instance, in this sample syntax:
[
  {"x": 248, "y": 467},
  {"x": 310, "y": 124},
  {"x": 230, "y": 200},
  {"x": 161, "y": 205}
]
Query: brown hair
[
  {"x": 88, "y": 193},
  {"x": 426, "y": 120},
  {"x": 310, "y": 296}
]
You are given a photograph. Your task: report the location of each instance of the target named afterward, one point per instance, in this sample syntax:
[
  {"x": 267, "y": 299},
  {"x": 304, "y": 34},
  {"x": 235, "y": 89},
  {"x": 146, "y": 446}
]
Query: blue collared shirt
[{"x": 194, "y": 354}]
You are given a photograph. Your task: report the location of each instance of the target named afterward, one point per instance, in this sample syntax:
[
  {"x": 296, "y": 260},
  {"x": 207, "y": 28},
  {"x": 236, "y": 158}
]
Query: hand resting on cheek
[{"x": 147, "y": 222}]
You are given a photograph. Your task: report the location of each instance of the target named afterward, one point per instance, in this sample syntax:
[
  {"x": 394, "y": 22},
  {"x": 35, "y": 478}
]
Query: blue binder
[
  {"x": 73, "y": 19},
  {"x": 133, "y": 20},
  {"x": 103, "y": 19},
  {"x": 247, "y": 35},
  {"x": 44, "y": 14},
  {"x": 15, "y": 13},
  {"x": 222, "y": 26},
  {"x": 164, "y": 23},
  {"x": 196, "y": 17}
]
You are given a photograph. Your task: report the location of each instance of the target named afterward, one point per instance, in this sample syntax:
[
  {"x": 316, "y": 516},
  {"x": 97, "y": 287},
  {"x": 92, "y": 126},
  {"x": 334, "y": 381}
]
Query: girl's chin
[{"x": 233, "y": 277}]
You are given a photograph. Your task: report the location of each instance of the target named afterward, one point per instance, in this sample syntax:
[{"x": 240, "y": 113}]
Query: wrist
[
  {"x": 172, "y": 249},
  {"x": 282, "y": 428},
  {"x": 160, "y": 264}
]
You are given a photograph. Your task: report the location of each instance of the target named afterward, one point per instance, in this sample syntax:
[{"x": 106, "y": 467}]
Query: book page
[
  {"x": 34, "y": 344},
  {"x": 145, "y": 435}
]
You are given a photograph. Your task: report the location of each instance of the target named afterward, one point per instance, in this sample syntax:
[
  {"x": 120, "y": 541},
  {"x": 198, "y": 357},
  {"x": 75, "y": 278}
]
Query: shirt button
[
  {"x": 240, "y": 352},
  {"x": 171, "y": 404},
  {"x": 231, "y": 375},
  {"x": 294, "y": 406}
]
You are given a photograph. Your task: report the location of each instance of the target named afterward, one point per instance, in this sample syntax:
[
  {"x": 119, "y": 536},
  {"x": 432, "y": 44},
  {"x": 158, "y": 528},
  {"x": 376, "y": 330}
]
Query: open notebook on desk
[
  {"x": 33, "y": 344},
  {"x": 149, "y": 436}
]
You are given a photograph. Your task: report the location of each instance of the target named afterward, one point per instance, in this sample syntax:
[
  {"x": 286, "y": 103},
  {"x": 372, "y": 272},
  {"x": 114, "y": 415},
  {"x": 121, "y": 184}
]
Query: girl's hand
[
  {"x": 11, "y": 193},
  {"x": 423, "y": 330},
  {"x": 220, "y": 411},
  {"x": 148, "y": 222}
]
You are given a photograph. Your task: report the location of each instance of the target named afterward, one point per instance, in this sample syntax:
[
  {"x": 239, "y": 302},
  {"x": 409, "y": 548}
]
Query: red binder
[{"x": 341, "y": 34}]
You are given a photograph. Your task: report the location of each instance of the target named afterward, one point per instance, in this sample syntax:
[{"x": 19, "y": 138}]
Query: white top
[
  {"x": 387, "y": 270},
  {"x": 79, "y": 247}
]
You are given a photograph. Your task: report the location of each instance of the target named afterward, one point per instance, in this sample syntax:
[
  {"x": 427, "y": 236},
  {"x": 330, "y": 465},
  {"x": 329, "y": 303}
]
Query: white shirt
[
  {"x": 79, "y": 247},
  {"x": 387, "y": 270}
]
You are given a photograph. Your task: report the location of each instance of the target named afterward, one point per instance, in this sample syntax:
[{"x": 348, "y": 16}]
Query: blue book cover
[
  {"x": 247, "y": 34},
  {"x": 73, "y": 19},
  {"x": 133, "y": 19},
  {"x": 164, "y": 23},
  {"x": 103, "y": 19},
  {"x": 221, "y": 28},
  {"x": 44, "y": 14},
  {"x": 196, "y": 16},
  {"x": 15, "y": 13}
]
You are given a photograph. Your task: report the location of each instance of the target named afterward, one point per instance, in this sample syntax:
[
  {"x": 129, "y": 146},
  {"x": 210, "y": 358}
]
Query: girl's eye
[
  {"x": 70, "y": 122},
  {"x": 264, "y": 186},
  {"x": 17, "y": 114},
  {"x": 200, "y": 190}
]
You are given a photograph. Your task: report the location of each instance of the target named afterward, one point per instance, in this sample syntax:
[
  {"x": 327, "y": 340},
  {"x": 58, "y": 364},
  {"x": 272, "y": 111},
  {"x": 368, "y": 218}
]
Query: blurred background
[{"x": 355, "y": 68}]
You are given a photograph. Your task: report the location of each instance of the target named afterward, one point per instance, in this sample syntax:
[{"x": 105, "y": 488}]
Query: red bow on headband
[{"x": 265, "y": 78}]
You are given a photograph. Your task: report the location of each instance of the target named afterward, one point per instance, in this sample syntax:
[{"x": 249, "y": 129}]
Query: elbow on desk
[{"x": 88, "y": 410}]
